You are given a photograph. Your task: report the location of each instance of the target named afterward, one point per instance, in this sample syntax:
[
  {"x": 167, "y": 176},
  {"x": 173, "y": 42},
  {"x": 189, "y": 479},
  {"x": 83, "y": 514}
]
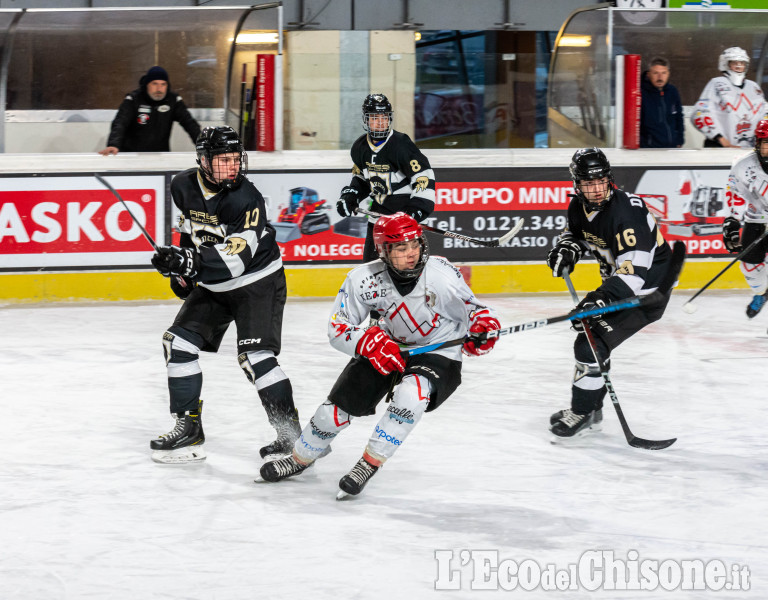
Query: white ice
[{"x": 85, "y": 513}]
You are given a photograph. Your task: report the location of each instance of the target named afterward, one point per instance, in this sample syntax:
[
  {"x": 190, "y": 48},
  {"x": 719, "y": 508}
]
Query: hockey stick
[
  {"x": 488, "y": 243},
  {"x": 106, "y": 184},
  {"x": 632, "y": 439},
  {"x": 571, "y": 316},
  {"x": 688, "y": 306}
]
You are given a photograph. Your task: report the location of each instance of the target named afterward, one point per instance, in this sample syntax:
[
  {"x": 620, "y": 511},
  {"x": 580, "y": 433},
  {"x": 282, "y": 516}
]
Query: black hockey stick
[
  {"x": 678, "y": 256},
  {"x": 688, "y": 306},
  {"x": 106, "y": 184},
  {"x": 488, "y": 243}
]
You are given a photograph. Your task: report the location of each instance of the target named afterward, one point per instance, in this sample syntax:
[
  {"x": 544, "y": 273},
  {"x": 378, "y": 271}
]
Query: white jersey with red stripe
[
  {"x": 729, "y": 110},
  {"x": 747, "y": 193},
  {"x": 437, "y": 309}
]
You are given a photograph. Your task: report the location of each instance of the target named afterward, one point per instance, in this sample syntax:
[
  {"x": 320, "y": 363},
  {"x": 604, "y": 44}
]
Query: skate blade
[
  {"x": 571, "y": 440},
  {"x": 190, "y": 454},
  {"x": 342, "y": 495}
]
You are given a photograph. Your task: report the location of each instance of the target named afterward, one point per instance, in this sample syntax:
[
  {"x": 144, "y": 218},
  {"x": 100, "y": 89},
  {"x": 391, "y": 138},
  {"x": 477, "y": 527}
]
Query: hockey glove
[
  {"x": 349, "y": 201},
  {"x": 731, "y": 228},
  {"x": 172, "y": 260},
  {"x": 418, "y": 215},
  {"x": 563, "y": 257},
  {"x": 592, "y": 300},
  {"x": 182, "y": 286},
  {"x": 480, "y": 322},
  {"x": 384, "y": 354}
]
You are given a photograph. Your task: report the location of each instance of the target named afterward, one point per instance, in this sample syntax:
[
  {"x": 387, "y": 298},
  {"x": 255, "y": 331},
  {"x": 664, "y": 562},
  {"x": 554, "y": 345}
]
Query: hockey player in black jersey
[
  {"x": 389, "y": 171},
  {"x": 621, "y": 234},
  {"x": 228, "y": 268}
]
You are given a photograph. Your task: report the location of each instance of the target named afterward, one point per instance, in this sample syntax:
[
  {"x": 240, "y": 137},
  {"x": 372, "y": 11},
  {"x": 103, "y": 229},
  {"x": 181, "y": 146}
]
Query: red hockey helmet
[
  {"x": 761, "y": 133},
  {"x": 391, "y": 230}
]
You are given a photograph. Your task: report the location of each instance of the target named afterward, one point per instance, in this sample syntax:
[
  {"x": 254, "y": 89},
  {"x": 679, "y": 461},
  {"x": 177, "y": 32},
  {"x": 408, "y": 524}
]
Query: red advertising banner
[
  {"x": 503, "y": 195},
  {"x": 632, "y": 101},
  {"x": 265, "y": 102},
  {"x": 59, "y": 222}
]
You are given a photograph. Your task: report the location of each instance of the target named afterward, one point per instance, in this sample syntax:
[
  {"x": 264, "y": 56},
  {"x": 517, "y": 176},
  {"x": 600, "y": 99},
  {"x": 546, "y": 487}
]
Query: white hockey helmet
[{"x": 728, "y": 55}]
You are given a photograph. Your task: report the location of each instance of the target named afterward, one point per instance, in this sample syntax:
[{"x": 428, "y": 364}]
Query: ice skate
[
  {"x": 288, "y": 431},
  {"x": 280, "y": 469},
  {"x": 353, "y": 482},
  {"x": 184, "y": 443},
  {"x": 559, "y": 415},
  {"x": 569, "y": 424},
  {"x": 756, "y": 305}
]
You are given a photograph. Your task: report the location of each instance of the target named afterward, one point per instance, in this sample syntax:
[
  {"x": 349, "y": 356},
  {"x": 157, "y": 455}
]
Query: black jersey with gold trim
[
  {"x": 625, "y": 240},
  {"x": 237, "y": 244},
  {"x": 395, "y": 174}
]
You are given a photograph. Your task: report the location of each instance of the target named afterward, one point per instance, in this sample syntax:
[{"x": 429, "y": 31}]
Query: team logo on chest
[
  {"x": 372, "y": 287},
  {"x": 414, "y": 323}
]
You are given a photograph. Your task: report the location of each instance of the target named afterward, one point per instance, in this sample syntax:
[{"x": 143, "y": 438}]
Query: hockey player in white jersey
[
  {"x": 730, "y": 105},
  {"x": 746, "y": 196},
  {"x": 422, "y": 300}
]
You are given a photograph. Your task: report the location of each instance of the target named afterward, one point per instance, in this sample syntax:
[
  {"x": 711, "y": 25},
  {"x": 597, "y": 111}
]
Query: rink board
[{"x": 319, "y": 282}]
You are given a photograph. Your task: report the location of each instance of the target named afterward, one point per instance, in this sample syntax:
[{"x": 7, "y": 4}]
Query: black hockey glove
[
  {"x": 349, "y": 201},
  {"x": 182, "y": 286},
  {"x": 417, "y": 214},
  {"x": 563, "y": 257},
  {"x": 592, "y": 300},
  {"x": 172, "y": 260},
  {"x": 731, "y": 228}
]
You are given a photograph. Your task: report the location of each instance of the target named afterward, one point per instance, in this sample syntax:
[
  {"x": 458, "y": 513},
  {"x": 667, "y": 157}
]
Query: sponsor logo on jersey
[
  {"x": 142, "y": 119},
  {"x": 203, "y": 217},
  {"x": 163, "y": 108},
  {"x": 235, "y": 245},
  {"x": 593, "y": 239},
  {"x": 431, "y": 298}
]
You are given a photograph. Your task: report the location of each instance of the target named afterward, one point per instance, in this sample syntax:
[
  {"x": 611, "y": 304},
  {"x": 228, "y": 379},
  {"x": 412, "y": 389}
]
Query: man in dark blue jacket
[{"x": 661, "y": 115}]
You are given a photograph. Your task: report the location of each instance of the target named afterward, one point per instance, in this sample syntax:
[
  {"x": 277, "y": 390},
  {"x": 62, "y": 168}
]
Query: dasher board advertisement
[{"x": 75, "y": 222}]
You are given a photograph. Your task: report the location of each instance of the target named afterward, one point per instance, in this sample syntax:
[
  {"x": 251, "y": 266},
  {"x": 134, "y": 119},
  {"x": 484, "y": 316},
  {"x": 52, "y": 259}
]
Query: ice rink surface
[{"x": 85, "y": 513}]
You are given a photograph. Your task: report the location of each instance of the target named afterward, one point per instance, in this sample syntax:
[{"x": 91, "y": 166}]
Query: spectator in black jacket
[
  {"x": 661, "y": 114},
  {"x": 144, "y": 119}
]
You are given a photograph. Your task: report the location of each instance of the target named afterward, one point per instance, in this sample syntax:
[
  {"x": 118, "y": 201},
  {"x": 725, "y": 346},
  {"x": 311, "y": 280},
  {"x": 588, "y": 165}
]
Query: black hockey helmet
[
  {"x": 588, "y": 164},
  {"x": 377, "y": 104},
  {"x": 761, "y": 133},
  {"x": 220, "y": 140}
]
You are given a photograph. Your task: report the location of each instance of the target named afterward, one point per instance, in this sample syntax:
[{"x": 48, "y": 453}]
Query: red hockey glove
[
  {"x": 481, "y": 322},
  {"x": 384, "y": 354}
]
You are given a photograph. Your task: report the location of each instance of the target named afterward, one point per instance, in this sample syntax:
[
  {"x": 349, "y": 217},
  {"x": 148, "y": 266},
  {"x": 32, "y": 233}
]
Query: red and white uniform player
[
  {"x": 747, "y": 197},
  {"x": 422, "y": 300},
  {"x": 730, "y": 106}
]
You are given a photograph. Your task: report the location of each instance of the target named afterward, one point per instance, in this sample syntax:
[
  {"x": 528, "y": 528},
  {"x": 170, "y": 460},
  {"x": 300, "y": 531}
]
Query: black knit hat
[{"x": 154, "y": 74}]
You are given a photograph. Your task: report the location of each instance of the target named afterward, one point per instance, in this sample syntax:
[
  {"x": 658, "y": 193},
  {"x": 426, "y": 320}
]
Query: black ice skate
[
  {"x": 756, "y": 305},
  {"x": 353, "y": 482},
  {"x": 184, "y": 443},
  {"x": 280, "y": 469},
  {"x": 288, "y": 431},
  {"x": 569, "y": 424}
]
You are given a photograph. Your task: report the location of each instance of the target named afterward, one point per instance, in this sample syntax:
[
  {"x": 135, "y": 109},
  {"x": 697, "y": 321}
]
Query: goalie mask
[
  {"x": 730, "y": 55},
  {"x": 401, "y": 244},
  {"x": 377, "y": 116},
  {"x": 761, "y": 135},
  {"x": 225, "y": 172},
  {"x": 592, "y": 178}
]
